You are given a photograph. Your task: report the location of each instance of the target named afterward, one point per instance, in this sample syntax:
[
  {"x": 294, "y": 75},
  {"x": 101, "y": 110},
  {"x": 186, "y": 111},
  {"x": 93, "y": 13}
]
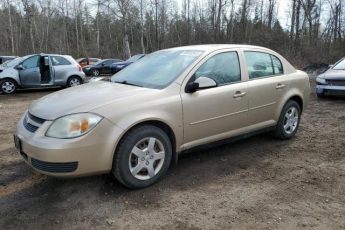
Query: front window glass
[
  {"x": 31, "y": 62},
  {"x": 157, "y": 70},
  {"x": 223, "y": 68},
  {"x": 340, "y": 65}
]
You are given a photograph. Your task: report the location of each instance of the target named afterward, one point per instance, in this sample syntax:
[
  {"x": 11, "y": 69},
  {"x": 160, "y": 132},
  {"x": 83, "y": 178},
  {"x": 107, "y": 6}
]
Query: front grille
[
  {"x": 32, "y": 123},
  {"x": 54, "y": 167},
  {"x": 29, "y": 127},
  {"x": 36, "y": 119},
  {"x": 336, "y": 82}
]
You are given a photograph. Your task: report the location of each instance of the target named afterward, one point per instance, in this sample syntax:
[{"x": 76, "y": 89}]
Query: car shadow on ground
[{"x": 192, "y": 171}]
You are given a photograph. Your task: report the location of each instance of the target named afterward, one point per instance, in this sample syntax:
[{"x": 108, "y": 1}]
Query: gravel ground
[{"x": 256, "y": 183}]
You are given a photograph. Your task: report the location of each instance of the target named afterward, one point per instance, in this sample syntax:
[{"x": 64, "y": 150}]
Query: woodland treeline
[{"x": 314, "y": 32}]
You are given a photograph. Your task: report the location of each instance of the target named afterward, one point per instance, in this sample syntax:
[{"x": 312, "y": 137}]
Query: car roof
[{"x": 210, "y": 47}]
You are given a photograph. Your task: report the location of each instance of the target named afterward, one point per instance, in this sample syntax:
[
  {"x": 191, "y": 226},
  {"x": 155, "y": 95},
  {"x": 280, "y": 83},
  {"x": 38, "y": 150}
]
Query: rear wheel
[
  {"x": 289, "y": 120},
  {"x": 8, "y": 86},
  {"x": 143, "y": 156},
  {"x": 74, "y": 81}
]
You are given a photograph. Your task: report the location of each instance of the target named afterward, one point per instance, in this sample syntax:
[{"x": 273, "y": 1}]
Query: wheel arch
[
  {"x": 293, "y": 95},
  {"x": 12, "y": 79},
  {"x": 157, "y": 123}
]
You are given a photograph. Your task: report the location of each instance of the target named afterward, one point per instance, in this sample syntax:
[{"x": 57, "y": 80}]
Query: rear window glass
[{"x": 57, "y": 60}]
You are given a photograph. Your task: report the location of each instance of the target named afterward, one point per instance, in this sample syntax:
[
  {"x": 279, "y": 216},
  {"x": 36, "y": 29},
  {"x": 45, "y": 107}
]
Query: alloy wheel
[
  {"x": 146, "y": 158},
  {"x": 74, "y": 82},
  {"x": 95, "y": 73},
  {"x": 8, "y": 87},
  {"x": 291, "y": 120}
]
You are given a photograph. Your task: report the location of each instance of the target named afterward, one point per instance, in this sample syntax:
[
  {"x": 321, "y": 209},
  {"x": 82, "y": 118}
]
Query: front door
[
  {"x": 220, "y": 112},
  {"x": 29, "y": 72}
]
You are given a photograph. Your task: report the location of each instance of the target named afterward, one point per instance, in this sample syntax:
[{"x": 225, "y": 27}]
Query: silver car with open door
[{"x": 40, "y": 70}]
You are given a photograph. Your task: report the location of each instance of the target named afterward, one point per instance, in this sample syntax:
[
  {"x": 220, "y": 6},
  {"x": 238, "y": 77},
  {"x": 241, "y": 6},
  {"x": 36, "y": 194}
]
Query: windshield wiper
[{"x": 127, "y": 83}]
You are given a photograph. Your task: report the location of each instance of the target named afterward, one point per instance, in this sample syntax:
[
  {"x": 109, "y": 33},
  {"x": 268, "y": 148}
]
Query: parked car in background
[
  {"x": 40, "y": 70},
  {"x": 170, "y": 101},
  {"x": 332, "y": 81},
  {"x": 87, "y": 61},
  {"x": 6, "y": 58},
  {"x": 116, "y": 67},
  {"x": 101, "y": 67}
]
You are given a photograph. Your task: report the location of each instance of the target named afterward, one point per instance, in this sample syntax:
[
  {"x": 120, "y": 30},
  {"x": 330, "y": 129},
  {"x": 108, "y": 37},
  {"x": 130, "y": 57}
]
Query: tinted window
[
  {"x": 223, "y": 68},
  {"x": 57, "y": 60},
  {"x": 31, "y": 62},
  {"x": 262, "y": 64}
]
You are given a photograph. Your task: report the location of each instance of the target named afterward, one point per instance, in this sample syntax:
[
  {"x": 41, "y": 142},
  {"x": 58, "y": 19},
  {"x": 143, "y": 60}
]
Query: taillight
[{"x": 80, "y": 69}]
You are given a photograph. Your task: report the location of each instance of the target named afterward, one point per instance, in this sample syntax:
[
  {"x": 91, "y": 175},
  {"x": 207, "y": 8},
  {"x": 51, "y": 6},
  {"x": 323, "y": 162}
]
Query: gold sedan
[{"x": 169, "y": 101}]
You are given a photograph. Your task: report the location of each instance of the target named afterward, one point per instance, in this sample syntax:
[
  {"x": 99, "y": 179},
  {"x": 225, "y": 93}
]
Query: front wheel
[
  {"x": 143, "y": 156},
  {"x": 320, "y": 94},
  {"x": 8, "y": 86},
  {"x": 289, "y": 120},
  {"x": 95, "y": 72}
]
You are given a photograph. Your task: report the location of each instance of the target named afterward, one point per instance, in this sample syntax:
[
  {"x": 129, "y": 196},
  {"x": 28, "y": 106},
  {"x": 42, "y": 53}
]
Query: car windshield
[
  {"x": 12, "y": 63},
  {"x": 157, "y": 70},
  {"x": 134, "y": 58},
  {"x": 340, "y": 65}
]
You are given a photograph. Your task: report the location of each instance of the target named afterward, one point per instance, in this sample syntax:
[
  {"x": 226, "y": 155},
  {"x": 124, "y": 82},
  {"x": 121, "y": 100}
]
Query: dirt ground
[{"x": 256, "y": 183}]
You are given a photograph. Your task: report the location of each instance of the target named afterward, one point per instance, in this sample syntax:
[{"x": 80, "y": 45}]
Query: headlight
[
  {"x": 74, "y": 125},
  {"x": 321, "y": 80}
]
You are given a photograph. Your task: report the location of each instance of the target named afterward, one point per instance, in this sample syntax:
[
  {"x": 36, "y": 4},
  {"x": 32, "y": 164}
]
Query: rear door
[
  {"x": 267, "y": 84},
  {"x": 62, "y": 69},
  {"x": 29, "y": 73}
]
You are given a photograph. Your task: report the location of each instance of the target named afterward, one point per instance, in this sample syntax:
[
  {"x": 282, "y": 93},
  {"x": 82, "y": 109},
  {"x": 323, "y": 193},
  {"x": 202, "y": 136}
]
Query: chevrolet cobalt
[{"x": 165, "y": 103}]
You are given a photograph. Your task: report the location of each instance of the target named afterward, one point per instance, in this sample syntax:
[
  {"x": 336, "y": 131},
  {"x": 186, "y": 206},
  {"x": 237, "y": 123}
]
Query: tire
[
  {"x": 95, "y": 72},
  {"x": 288, "y": 124},
  {"x": 8, "y": 86},
  {"x": 320, "y": 94},
  {"x": 74, "y": 81},
  {"x": 135, "y": 165}
]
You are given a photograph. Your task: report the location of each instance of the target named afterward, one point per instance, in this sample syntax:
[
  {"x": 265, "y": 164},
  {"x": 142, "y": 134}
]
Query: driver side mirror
[
  {"x": 20, "y": 67},
  {"x": 103, "y": 64},
  {"x": 200, "y": 83},
  {"x": 330, "y": 66}
]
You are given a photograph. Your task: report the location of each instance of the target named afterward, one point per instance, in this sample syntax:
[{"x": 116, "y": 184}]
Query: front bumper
[
  {"x": 331, "y": 89},
  {"x": 86, "y": 155}
]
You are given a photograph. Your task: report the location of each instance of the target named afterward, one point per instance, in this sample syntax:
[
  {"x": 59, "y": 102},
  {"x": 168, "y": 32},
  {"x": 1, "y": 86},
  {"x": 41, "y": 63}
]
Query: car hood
[
  {"x": 83, "y": 98},
  {"x": 333, "y": 74}
]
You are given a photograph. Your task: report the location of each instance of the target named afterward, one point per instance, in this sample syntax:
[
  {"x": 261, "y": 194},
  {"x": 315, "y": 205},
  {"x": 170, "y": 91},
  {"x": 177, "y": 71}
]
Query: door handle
[
  {"x": 280, "y": 86},
  {"x": 239, "y": 94}
]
